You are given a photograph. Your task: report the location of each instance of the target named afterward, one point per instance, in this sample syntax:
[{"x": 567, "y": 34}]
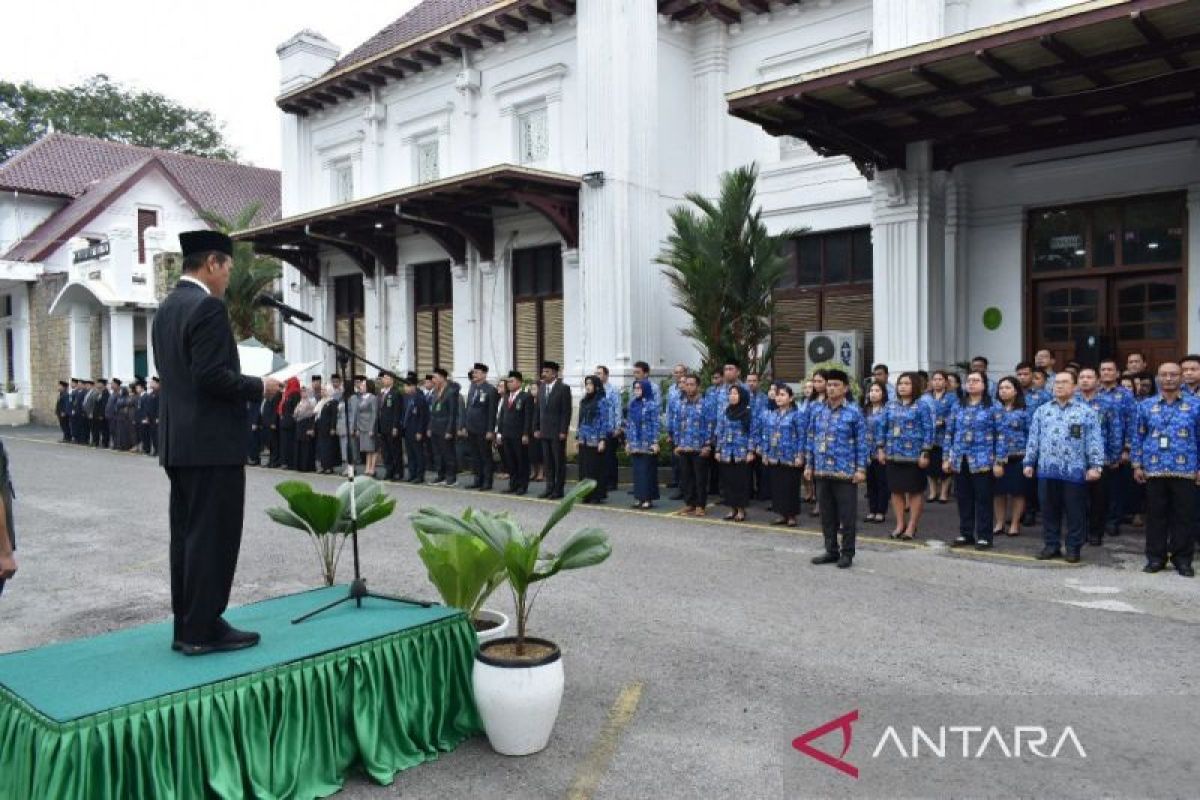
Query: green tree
[
  {"x": 252, "y": 274},
  {"x": 105, "y": 109},
  {"x": 723, "y": 266}
]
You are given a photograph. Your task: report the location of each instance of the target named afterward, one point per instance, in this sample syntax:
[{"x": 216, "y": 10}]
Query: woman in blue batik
[
  {"x": 781, "y": 443},
  {"x": 641, "y": 442},
  {"x": 733, "y": 453},
  {"x": 1010, "y": 482},
  {"x": 907, "y": 440},
  {"x": 816, "y": 395},
  {"x": 591, "y": 434},
  {"x": 941, "y": 402},
  {"x": 874, "y": 402},
  {"x": 973, "y": 449}
]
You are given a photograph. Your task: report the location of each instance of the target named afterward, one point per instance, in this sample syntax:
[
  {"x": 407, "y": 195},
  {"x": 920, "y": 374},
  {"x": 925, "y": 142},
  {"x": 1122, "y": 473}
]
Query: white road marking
[{"x": 1105, "y": 605}]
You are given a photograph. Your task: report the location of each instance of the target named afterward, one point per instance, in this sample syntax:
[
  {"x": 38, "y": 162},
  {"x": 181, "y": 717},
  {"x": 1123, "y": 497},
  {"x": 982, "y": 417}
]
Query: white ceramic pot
[
  {"x": 518, "y": 702},
  {"x": 500, "y": 630}
]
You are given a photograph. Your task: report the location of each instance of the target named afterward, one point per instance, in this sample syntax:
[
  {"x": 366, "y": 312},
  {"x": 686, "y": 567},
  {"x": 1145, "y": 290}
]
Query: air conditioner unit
[{"x": 834, "y": 350}]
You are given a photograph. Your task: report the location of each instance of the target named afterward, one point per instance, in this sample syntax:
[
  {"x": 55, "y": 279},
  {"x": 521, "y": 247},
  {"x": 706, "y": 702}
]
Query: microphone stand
[{"x": 358, "y": 587}]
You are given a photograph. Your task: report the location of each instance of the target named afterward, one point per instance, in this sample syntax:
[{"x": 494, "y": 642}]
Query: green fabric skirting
[{"x": 292, "y": 731}]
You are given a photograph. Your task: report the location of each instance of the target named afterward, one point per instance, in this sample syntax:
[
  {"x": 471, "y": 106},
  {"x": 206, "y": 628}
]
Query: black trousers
[
  {"x": 64, "y": 424},
  {"x": 610, "y": 461},
  {"x": 693, "y": 479},
  {"x": 206, "y": 534},
  {"x": 877, "y": 488},
  {"x": 975, "y": 513},
  {"x": 446, "y": 452},
  {"x": 253, "y": 445},
  {"x": 517, "y": 456},
  {"x": 416, "y": 456},
  {"x": 393, "y": 456},
  {"x": 144, "y": 432},
  {"x": 594, "y": 465},
  {"x": 1098, "y": 503},
  {"x": 99, "y": 432},
  {"x": 838, "y": 501},
  {"x": 287, "y": 446},
  {"x": 481, "y": 455},
  {"x": 554, "y": 452},
  {"x": 1063, "y": 499},
  {"x": 1169, "y": 511}
]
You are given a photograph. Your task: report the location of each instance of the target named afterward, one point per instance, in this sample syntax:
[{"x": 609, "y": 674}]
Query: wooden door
[
  {"x": 1067, "y": 309},
  {"x": 1146, "y": 316}
]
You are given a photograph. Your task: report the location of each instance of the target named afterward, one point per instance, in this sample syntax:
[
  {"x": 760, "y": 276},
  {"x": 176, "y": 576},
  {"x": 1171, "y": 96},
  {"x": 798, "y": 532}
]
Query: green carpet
[
  {"x": 73, "y": 679},
  {"x": 384, "y": 687}
]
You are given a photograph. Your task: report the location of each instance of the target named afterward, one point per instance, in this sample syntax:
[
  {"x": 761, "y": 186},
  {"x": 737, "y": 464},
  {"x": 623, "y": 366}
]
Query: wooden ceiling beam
[
  {"x": 882, "y": 97},
  {"x": 564, "y": 7},
  {"x": 511, "y": 23},
  {"x": 535, "y": 14},
  {"x": 1068, "y": 55},
  {"x": 391, "y": 72},
  {"x": 490, "y": 33},
  {"x": 1153, "y": 35},
  {"x": 408, "y": 64},
  {"x": 426, "y": 57}
]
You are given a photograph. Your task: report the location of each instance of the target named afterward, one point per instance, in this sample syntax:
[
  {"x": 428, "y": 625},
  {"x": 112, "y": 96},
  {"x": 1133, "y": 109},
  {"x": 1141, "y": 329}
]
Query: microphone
[{"x": 283, "y": 308}]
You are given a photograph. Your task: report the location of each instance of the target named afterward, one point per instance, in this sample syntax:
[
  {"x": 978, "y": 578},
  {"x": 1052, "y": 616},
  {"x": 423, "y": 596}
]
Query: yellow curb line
[{"x": 593, "y": 769}]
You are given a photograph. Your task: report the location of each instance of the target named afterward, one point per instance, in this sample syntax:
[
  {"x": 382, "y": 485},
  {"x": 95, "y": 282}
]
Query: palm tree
[
  {"x": 723, "y": 267},
  {"x": 252, "y": 274}
]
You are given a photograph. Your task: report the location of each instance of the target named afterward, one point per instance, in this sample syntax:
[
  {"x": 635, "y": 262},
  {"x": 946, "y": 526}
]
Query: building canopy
[
  {"x": 1090, "y": 71},
  {"x": 454, "y": 212}
]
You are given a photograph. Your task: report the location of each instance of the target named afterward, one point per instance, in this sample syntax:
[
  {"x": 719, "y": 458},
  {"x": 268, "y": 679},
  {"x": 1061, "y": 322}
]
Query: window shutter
[
  {"x": 847, "y": 312},
  {"x": 800, "y": 315},
  {"x": 424, "y": 343},
  {"x": 525, "y": 339},
  {"x": 552, "y": 330},
  {"x": 445, "y": 330}
]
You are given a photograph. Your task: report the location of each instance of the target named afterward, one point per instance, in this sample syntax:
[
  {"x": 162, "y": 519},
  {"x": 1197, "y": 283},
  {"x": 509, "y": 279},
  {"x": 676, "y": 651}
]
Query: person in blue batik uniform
[
  {"x": 674, "y": 393},
  {"x": 691, "y": 439},
  {"x": 836, "y": 458},
  {"x": 1166, "y": 458},
  {"x": 1112, "y": 434},
  {"x": 907, "y": 439},
  {"x": 1009, "y": 503},
  {"x": 641, "y": 442},
  {"x": 974, "y": 452},
  {"x": 1122, "y": 486},
  {"x": 1065, "y": 451},
  {"x": 592, "y": 435},
  {"x": 760, "y": 487},
  {"x": 781, "y": 445},
  {"x": 874, "y": 403},
  {"x": 733, "y": 449},
  {"x": 1033, "y": 381},
  {"x": 941, "y": 401}
]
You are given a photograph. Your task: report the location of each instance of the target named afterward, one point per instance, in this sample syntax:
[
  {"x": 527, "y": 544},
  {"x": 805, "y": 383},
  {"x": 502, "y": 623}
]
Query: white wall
[{"x": 20, "y": 213}]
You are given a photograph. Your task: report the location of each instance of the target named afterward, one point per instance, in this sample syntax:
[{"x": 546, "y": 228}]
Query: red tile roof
[{"x": 426, "y": 17}]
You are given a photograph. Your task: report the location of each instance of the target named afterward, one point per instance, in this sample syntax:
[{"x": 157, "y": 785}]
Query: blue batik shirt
[
  {"x": 836, "y": 445},
  {"x": 874, "y": 419},
  {"x": 1036, "y": 398},
  {"x": 641, "y": 427},
  {"x": 694, "y": 425},
  {"x": 1127, "y": 406},
  {"x": 1112, "y": 425},
  {"x": 1065, "y": 441},
  {"x": 907, "y": 431},
  {"x": 612, "y": 403},
  {"x": 1168, "y": 435},
  {"x": 940, "y": 408},
  {"x": 782, "y": 435},
  {"x": 732, "y": 438},
  {"x": 674, "y": 397},
  {"x": 593, "y": 425},
  {"x": 1014, "y": 429},
  {"x": 973, "y": 433}
]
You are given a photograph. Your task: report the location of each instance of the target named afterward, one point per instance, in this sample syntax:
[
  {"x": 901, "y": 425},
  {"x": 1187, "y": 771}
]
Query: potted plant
[
  {"x": 11, "y": 398},
  {"x": 462, "y": 566},
  {"x": 326, "y": 518},
  {"x": 518, "y": 680}
]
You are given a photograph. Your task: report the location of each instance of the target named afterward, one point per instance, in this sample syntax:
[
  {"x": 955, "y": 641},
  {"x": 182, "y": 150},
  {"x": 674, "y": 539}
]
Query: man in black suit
[
  {"x": 444, "y": 420},
  {"x": 415, "y": 424},
  {"x": 100, "y": 397},
  {"x": 551, "y": 425},
  {"x": 202, "y": 443},
  {"x": 514, "y": 424},
  {"x": 388, "y": 426},
  {"x": 152, "y": 407},
  {"x": 481, "y": 426},
  {"x": 80, "y": 430},
  {"x": 62, "y": 409}
]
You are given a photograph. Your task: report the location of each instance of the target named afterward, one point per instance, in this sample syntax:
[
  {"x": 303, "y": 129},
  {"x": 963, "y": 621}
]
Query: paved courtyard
[{"x": 702, "y": 649}]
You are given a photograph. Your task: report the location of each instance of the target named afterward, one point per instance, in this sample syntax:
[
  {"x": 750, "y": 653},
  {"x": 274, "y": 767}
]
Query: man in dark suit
[
  {"x": 100, "y": 397},
  {"x": 415, "y": 425},
  {"x": 268, "y": 421},
  {"x": 389, "y": 426},
  {"x": 253, "y": 432},
  {"x": 481, "y": 426},
  {"x": 80, "y": 429},
  {"x": 202, "y": 443},
  {"x": 62, "y": 408},
  {"x": 514, "y": 424},
  {"x": 551, "y": 425},
  {"x": 443, "y": 426}
]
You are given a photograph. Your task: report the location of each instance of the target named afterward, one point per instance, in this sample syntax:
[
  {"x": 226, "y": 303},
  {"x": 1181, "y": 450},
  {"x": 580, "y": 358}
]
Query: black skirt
[
  {"x": 905, "y": 478},
  {"x": 785, "y": 489},
  {"x": 735, "y": 483},
  {"x": 934, "y": 470},
  {"x": 1013, "y": 480}
]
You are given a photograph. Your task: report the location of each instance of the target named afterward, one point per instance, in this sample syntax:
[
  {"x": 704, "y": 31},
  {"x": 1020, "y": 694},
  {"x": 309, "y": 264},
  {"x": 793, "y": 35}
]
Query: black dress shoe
[
  {"x": 1027, "y": 519},
  {"x": 231, "y": 639},
  {"x": 1185, "y": 570},
  {"x": 845, "y": 560},
  {"x": 677, "y": 496},
  {"x": 544, "y": 496},
  {"x": 1153, "y": 566},
  {"x": 983, "y": 544},
  {"x": 556, "y": 496},
  {"x": 827, "y": 558},
  {"x": 521, "y": 492},
  {"x": 1048, "y": 553},
  {"x": 962, "y": 541},
  {"x": 1072, "y": 557},
  {"x": 1095, "y": 541}
]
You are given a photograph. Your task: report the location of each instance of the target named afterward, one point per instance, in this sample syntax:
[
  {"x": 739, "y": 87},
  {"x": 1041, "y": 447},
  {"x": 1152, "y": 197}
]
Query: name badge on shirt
[
  {"x": 821, "y": 447},
  {"x": 895, "y": 430},
  {"x": 967, "y": 437},
  {"x": 1164, "y": 443},
  {"x": 1076, "y": 431}
]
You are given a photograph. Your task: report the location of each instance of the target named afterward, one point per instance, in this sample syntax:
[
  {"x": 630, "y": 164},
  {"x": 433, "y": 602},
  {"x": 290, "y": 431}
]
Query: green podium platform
[{"x": 383, "y": 687}]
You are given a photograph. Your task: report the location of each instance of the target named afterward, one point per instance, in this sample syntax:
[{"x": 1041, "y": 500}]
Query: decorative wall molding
[
  {"x": 847, "y": 47},
  {"x": 1143, "y": 155},
  {"x": 552, "y": 74}
]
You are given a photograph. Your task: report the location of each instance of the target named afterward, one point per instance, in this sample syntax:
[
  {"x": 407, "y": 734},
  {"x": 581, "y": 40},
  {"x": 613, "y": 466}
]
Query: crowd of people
[{"x": 1091, "y": 448}]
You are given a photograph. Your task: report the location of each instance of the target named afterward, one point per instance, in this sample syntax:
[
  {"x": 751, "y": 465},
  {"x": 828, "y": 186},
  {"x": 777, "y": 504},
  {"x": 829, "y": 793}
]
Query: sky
[{"x": 217, "y": 55}]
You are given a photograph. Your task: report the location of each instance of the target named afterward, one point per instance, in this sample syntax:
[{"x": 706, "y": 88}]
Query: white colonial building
[
  {"x": 81, "y": 221},
  {"x": 489, "y": 180}
]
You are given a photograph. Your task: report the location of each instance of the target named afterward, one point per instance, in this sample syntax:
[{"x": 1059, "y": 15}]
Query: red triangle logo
[{"x": 843, "y": 723}]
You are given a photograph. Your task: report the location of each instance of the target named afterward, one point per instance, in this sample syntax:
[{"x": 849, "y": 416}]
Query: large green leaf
[
  {"x": 434, "y": 520},
  {"x": 462, "y": 567},
  {"x": 581, "y": 490},
  {"x": 284, "y": 516},
  {"x": 585, "y": 548},
  {"x": 320, "y": 511}
]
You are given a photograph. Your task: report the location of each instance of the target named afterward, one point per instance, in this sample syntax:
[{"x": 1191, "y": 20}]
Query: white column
[
  {"x": 22, "y": 372},
  {"x": 908, "y": 243},
  {"x": 151, "y": 367},
  {"x": 495, "y": 315},
  {"x": 106, "y": 363},
  {"x": 621, "y": 293},
  {"x": 399, "y": 318},
  {"x": 574, "y": 328},
  {"x": 120, "y": 344},
  {"x": 900, "y": 23},
  {"x": 710, "y": 62},
  {"x": 372, "y": 347},
  {"x": 956, "y": 273},
  {"x": 121, "y": 262},
  {"x": 464, "y": 321},
  {"x": 1193, "y": 269},
  {"x": 79, "y": 333}
]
